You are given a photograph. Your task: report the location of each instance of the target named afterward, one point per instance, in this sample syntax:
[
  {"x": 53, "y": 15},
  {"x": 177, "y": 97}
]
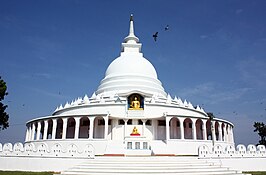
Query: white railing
[
  {"x": 43, "y": 150},
  {"x": 241, "y": 151}
]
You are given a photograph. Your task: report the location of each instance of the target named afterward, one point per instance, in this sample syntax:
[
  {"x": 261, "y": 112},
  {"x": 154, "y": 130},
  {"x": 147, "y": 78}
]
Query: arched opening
[
  {"x": 161, "y": 129},
  {"x": 41, "y": 130},
  {"x": 175, "y": 128},
  {"x": 50, "y": 129},
  {"x": 59, "y": 129},
  {"x": 99, "y": 124},
  {"x": 84, "y": 128},
  {"x": 223, "y": 139},
  {"x": 208, "y": 130},
  {"x": 71, "y": 124},
  {"x": 216, "y": 130},
  {"x": 110, "y": 128},
  {"x": 188, "y": 128},
  {"x": 199, "y": 130}
]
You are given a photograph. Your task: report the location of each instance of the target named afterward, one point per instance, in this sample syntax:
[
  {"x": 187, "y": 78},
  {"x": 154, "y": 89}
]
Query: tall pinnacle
[
  {"x": 131, "y": 42},
  {"x": 131, "y": 38},
  {"x": 131, "y": 27}
]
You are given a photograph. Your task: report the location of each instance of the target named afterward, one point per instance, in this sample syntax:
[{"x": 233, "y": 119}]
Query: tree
[
  {"x": 3, "y": 115},
  {"x": 260, "y": 127}
]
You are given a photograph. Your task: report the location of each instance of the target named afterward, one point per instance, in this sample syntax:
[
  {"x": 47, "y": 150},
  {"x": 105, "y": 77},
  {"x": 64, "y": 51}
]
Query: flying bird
[
  {"x": 166, "y": 28},
  {"x": 155, "y": 36}
]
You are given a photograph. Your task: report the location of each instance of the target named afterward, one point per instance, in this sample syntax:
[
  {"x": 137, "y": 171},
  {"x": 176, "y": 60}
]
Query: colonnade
[
  {"x": 57, "y": 128},
  {"x": 176, "y": 127},
  {"x": 198, "y": 129}
]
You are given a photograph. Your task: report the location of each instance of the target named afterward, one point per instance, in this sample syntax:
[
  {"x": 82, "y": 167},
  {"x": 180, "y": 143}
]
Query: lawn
[{"x": 256, "y": 172}]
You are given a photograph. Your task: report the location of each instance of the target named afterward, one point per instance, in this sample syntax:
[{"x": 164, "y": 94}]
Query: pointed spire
[
  {"x": 131, "y": 38},
  {"x": 131, "y": 42},
  {"x": 131, "y": 27}
]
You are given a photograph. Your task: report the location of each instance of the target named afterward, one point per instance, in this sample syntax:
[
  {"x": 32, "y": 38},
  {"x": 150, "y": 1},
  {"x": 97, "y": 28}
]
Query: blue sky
[{"x": 212, "y": 55}]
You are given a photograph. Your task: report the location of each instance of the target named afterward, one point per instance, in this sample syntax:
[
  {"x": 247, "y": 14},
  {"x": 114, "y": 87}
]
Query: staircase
[{"x": 149, "y": 165}]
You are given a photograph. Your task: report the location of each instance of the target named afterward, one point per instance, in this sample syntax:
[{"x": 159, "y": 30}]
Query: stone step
[
  {"x": 109, "y": 165},
  {"x": 139, "y": 163},
  {"x": 126, "y": 160},
  {"x": 85, "y": 168},
  {"x": 149, "y": 165},
  {"x": 159, "y": 170}
]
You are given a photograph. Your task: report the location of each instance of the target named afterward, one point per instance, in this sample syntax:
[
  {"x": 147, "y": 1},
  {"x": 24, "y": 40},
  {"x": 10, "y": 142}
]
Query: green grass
[
  {"x": 256, "y": 172},
  {"x": 24, "y": 173}
]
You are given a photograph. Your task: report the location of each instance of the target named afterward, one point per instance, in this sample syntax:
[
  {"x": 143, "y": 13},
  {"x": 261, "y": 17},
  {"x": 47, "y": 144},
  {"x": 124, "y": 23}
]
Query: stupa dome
[
  {"x": 131, "y": 71},
  {"x": 131, "y": 64}
]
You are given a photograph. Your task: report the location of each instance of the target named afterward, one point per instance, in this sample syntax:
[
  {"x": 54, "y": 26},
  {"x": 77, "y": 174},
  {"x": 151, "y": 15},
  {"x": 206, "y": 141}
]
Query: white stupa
[{"x": 130, "y": 114}]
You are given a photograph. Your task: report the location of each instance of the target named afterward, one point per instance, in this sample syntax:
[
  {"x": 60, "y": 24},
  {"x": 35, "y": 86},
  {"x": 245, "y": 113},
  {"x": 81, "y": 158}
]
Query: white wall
[{"x": 38, "y": 164}]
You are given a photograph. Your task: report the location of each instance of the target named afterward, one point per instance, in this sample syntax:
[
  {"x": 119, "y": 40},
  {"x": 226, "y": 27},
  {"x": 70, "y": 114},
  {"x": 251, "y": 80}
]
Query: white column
[
  {"x": 232, "y": 135},
  {"x": 204, "y": 131},
  {"x": 229, "y": 133},
  {"x": 91, "y": 127},
  {"x": 38, "y": 131},
  {"x": 45, "y": 130},
  {"x": 54, "y": 128},
  {"x": 225, "y": 133},
  {"x": 167, "y": 121},
  {"x": 64, "y": 128},
  {"x": 30, "y": 134},
  {"x": 77, "y": 120},
  {"x": 106, "y": 118},
  {"x": 27, "y": 134},
  {"x": 181, "y": 120},
  {"x": 154, "y": 128},
  {"x": 125, "y": 127},
  {"x": 213, "y": 132},
  {"x": 114, "y": 124},
  {"x": 194, "y": 129},
  {"x": 33, "y": 131},
  {"x": 143, "y": 126},
  {"x": 220, "y": 131}
]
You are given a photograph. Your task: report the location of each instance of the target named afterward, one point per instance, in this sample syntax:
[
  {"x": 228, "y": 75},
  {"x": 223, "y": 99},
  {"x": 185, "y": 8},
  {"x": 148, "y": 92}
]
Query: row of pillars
[
  {"x": 227, "y": 130},
  {"x": 31, "y": 129}
]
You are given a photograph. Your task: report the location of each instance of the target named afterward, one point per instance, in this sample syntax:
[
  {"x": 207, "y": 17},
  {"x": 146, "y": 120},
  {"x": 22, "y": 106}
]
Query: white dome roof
[
  {"x": 131, "y": 64},
  {"x": 131, "y": 71}
]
